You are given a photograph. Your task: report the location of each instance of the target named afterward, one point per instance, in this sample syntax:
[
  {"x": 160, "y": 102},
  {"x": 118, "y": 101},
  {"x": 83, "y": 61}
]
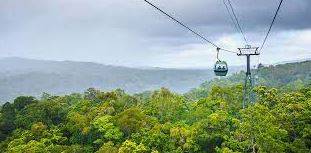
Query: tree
[
  {"x": 167, "y": 106},
  {"x": 7, "y": 120},
  {"x": 108, "y": 130},
  {"x": 132, "y": 120},
  {"x": 131, "y": 147},
  {"x": 108, "y": 148},
  {"x": 22, "y": 101}
]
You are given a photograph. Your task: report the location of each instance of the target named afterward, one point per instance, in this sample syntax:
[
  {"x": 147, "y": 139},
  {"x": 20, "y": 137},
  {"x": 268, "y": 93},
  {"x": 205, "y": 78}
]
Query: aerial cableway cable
[
  {"x": 231, "y": 17},
  {"x": 188, "y": 28},
  {"x": 272, "y": 23},
  {"x": 237, "y": 21}
]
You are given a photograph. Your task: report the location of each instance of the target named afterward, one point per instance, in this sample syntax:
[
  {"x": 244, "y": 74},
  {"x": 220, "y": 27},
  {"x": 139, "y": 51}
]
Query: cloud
[
  {"x": 131, "y": 33},
  {"x": 283, "y": 46}
]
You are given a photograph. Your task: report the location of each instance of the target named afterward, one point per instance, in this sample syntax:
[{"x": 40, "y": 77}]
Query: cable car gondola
[{"x": 220, "y": 67}]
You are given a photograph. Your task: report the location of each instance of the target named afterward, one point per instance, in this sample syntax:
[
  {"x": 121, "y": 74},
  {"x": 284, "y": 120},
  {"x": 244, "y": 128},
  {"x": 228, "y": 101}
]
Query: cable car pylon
[{"x": 248, "y": 51}]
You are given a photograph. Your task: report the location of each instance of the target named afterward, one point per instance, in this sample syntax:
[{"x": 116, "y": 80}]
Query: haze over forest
[{"x": 33, "y": 77}]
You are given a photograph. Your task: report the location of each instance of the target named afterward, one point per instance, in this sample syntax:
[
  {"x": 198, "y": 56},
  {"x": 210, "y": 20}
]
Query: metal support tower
[{"x": 248, "y": 51}]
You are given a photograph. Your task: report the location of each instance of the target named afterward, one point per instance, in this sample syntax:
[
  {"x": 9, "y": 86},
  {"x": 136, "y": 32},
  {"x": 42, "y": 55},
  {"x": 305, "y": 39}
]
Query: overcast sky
[{"x": 131, "y": 33}]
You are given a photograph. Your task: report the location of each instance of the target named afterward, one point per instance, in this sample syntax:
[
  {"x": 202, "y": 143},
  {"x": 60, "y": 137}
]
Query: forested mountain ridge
[
  {"x": 20, "y": 76},
  {"x": 284, "y": 75}
]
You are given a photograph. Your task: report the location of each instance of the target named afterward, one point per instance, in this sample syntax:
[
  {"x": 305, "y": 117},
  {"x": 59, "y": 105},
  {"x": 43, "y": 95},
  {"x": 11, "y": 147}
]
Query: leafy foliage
[{"x": 163, "y": 122}]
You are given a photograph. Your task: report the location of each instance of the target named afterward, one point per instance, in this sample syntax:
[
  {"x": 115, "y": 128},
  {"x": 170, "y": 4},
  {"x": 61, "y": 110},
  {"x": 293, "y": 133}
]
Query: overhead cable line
[
  {"x": 276, "y": 13},
  {"x": 188, "y": 28},
  {"x": 230, "y": 15},
  {"x": 237, "y": 22}
]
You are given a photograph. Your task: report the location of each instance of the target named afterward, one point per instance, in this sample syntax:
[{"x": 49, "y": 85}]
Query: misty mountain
[{"x": 20, "y": 76}]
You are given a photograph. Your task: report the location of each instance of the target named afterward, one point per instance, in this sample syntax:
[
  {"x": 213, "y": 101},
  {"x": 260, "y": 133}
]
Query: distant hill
[
  {"x": 282, "y": 76},
  {"x": 20, "y": 76}
]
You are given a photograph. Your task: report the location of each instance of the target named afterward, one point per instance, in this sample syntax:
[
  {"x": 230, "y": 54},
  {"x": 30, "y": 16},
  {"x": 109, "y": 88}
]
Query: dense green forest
[{"x": 207, "y": 119}]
